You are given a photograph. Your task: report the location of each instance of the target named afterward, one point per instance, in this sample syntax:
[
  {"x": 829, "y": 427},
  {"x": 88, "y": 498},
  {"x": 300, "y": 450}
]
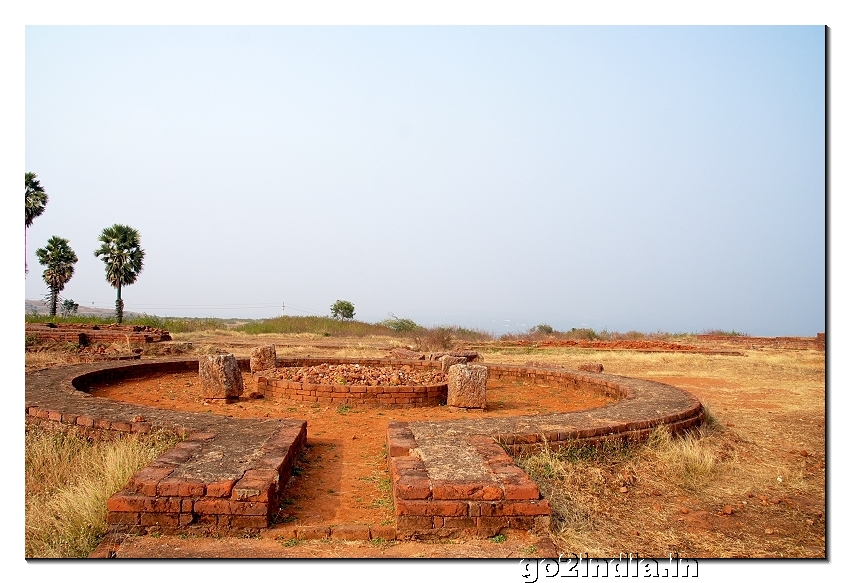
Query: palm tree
[
  {"x": 123, "y": 256},
  {"x": 58, "y": 259},
  {"x": 34, "y": 202}
]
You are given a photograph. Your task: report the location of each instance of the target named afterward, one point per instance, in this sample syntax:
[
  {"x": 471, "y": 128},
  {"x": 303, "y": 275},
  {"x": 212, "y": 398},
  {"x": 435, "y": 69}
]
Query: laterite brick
[
  {"x": 248, "y": 521},
  {"x": 220, "y": 489},
  {"x": 458, "y": 522},
  {"x": 521, "y": 522},
  {"x": 146, "y": 480},
  {"x": 383, "y": 531},
  {"x": 430, "y": 508},
  {"x": 526, "y": 490},
  {"x": 123, "y": 518},
  {"x": 531, "y": 508},
  {"x": 162, "y": 505},
  {"x": 313, "y": 532},
  {"x": 413, "y": 487},
  {"x": 159, "y": 519},
  {"x": 123, "y": 502},
  {"x": 465, "y": 490},
  {"x": 211, "y": 506},
  {"x": 102, "y": 424},
  {"x": 482, "y": 509},
  {"x": 247, "y": 508},
  {"x": 491, "y": 526},
  {"x": 255, "y": 489},
  {"x": 407, "y": 524},
  {"x": 350, "y": 532}
]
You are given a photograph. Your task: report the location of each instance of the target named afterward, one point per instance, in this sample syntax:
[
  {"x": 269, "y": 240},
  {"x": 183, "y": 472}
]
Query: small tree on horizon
[
  {"x": 123, "y": 255},
  {"x": 69, "y": 307},
  {"x": 342, "y": 310},
  {"x": 58, "y": 259},
  {"x": 35, "y": 201}
]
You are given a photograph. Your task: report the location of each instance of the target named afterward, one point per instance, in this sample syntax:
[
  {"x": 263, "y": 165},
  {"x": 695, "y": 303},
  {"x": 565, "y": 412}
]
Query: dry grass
[
  {"x": 48, "y": 359},
  {"x": 762, "y": 459},
  {"x": 69, "y": 477}
]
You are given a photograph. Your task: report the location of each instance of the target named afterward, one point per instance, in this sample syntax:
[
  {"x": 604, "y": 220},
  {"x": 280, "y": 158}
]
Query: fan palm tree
[
  {"x": 35, "y": 200},
  {"x": 58, "y": 259},
  {"x": 123, "y": 256}
]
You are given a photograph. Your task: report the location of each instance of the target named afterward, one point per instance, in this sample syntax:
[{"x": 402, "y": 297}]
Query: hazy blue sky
[{"x": 647, "y": 178}]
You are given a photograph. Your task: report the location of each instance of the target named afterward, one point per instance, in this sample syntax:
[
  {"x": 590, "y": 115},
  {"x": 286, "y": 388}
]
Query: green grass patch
[
  {"x": 320, "y": 325},
  {"x": 176, "y": 325}
]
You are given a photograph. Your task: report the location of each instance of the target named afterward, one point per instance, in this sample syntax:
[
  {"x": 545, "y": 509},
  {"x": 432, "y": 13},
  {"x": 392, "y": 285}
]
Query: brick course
[{"x": 178, "y": 490}]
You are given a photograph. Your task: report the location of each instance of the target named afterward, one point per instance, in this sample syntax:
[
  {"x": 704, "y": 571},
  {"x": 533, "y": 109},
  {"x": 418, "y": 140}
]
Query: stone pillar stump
[
  {"x": 448, "y": 361},
  {"x": 467, "y": 386},
  {"x": 220, "y": 377},
  {"x": 263, "y": 358}
]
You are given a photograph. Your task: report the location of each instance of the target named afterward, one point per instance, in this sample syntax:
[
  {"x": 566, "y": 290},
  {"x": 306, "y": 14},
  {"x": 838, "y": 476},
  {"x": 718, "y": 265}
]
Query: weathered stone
[
  {"x": 220, "y": 377},
  {"x": 591, "y": 367},
  {"x": 467, "y": 386},
  {"x": 263, "y": 358},
  {"x": 449, "y": 361},
  {"x": 469, "y": 355},
  {"x": 406, "y": 354}
]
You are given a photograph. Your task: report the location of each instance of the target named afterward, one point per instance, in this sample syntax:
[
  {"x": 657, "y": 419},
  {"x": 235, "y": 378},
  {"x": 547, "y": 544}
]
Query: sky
[{"x": 495, "y": 177}]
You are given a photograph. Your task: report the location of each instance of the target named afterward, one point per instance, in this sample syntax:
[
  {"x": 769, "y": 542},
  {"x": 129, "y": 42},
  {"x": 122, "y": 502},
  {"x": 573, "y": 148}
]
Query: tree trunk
[
  {"x": 54, "y": 298},
  {"x": 119, "y": 307}
]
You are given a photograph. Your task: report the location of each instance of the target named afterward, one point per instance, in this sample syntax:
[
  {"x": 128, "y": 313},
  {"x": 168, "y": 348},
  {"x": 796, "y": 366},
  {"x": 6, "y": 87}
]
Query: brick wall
[
  {"x": 389, "y": 396},
  {"x": 377, "y": 396},
  {"x": 158, "y": 498},
  {"x": 431, "y": 508},
  {"x": 79, "y": 334}
]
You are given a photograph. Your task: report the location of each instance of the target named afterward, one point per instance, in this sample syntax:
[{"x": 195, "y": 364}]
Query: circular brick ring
[
  {"x": 423, "y": 395},
  {"x": 450, "y": 478}
]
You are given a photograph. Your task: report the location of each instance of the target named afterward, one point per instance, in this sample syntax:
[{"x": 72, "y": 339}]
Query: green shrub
[
  {"x": 342, "y": 310},
  {"x": 400, "y": 324}
]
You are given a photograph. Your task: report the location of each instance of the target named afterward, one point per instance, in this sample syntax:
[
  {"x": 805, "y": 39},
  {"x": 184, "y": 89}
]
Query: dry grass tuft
[
  {"x": 69, "y": 477},
  {"x": 586, "y": 484}
]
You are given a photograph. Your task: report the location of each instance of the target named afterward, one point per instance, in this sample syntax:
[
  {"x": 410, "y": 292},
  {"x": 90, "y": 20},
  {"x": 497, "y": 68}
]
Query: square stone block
[
  {"x": 263, "y": 358},
  {"x": 220, "y": 377},
  {"x": 467, "y": 386},
  {"x": 449, "y": 361}
]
